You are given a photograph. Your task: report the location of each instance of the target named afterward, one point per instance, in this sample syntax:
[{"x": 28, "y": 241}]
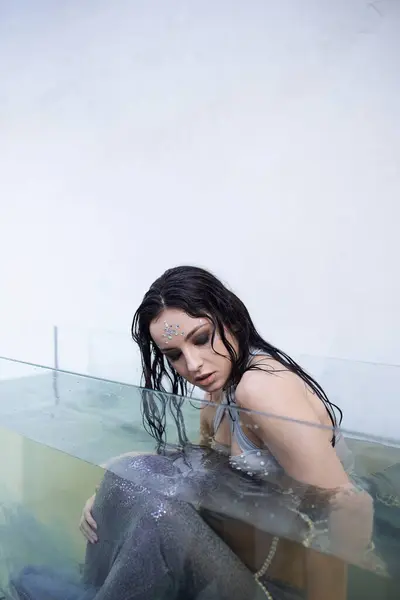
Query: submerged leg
[{"x": 152, "y": 545}]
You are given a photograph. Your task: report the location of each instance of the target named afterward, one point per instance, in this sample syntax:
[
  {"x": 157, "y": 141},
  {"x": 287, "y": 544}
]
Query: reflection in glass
[{"x": 185, "y": 522}]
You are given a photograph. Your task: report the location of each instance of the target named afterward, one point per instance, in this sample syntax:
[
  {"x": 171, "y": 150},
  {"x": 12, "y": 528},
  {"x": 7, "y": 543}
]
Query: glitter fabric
[
  {"x": 153, "y": 543},
  {"x": 156, "y": 541}
]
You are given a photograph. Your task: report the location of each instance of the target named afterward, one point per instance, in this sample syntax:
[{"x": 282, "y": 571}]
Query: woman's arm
[{"x": 306, "y": 454}]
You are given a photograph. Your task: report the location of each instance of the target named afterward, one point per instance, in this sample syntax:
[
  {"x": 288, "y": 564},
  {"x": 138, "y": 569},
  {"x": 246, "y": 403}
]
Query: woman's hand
[{"x": 87, "y": 524}]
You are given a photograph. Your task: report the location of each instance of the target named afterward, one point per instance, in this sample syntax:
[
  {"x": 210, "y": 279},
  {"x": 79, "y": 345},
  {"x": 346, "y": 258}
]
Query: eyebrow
[{"x": 187, "y": 337}]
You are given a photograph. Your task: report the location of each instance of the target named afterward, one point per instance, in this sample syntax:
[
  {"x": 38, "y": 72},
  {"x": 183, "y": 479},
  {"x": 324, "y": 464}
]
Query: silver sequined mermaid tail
[{"x": 153, "y": 543}]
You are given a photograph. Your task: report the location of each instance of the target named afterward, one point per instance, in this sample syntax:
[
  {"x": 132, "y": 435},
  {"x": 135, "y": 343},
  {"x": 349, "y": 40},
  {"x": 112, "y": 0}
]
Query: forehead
[{"x": 172, "y": 323}]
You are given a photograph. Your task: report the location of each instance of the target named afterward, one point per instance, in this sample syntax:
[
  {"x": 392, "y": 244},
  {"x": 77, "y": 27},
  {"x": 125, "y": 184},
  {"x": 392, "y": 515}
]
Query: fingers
[
  {"x": 87, "y": 524},
  {"x": 89, "y": 519},
  {"x": 87, "y": 531}
]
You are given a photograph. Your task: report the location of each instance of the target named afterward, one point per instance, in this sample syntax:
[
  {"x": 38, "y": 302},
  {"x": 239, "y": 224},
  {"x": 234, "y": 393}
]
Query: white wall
[{"x": 258, "y": 139}]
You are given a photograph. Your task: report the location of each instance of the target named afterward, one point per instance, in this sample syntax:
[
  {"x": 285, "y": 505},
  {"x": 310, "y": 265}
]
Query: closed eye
[
  {"x": 202, "y": 339},
  {"x": 173, "y": 356}
]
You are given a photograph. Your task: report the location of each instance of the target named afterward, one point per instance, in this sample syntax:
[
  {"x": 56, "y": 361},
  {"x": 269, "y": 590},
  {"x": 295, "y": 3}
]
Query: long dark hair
[{"x": 199, "y": 293}]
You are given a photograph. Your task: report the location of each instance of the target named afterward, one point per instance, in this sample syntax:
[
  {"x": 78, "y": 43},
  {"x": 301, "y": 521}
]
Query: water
[
  {"x": 42, "y": 492},
  {"x": 45, "y": 481}
]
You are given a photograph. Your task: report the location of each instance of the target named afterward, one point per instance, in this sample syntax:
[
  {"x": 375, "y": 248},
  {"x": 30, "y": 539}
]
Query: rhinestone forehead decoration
[{"x": 170, "y": 331}]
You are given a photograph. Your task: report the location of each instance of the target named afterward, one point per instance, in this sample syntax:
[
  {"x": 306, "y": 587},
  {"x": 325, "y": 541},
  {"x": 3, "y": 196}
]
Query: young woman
[{"x": 192, "y": 330}]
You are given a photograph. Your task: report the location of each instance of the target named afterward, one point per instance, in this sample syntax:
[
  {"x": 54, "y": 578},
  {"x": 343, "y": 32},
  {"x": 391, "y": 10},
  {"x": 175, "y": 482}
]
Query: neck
[{"x": 216, "y": 397}]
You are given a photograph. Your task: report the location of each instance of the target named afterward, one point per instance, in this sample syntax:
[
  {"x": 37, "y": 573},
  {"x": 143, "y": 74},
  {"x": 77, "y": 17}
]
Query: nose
[{"x": 194, "y": 361}]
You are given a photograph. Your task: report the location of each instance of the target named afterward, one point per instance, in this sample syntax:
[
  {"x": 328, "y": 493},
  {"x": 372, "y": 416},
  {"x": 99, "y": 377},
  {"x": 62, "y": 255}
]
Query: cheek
[
  {"x": 218, "y": 348},
  {"x": 179, "y": 366}
]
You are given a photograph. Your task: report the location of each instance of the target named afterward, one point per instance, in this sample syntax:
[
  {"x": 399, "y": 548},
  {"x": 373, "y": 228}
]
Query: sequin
[
  {"x": 170, "y": 331},
  {"x": 146, "y": 517}
]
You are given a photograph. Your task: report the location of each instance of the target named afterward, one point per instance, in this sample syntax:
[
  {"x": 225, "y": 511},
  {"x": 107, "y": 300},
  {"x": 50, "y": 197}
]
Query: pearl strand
[{"x": 265, "y": 566}]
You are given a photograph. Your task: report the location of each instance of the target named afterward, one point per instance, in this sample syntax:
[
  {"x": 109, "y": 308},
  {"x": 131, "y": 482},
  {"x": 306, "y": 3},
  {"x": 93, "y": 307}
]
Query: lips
[{"x": 203, "y": 379}]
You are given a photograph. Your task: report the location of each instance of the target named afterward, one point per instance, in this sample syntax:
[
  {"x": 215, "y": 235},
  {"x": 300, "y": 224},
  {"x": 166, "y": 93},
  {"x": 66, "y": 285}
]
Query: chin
[
  {"x": 212, "y": 389},
  {"x": 215, "y": 387}
]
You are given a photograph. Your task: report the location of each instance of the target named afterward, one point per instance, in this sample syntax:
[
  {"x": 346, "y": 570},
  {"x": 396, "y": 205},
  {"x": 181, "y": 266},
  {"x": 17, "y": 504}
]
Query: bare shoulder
[
  {"x": 269, "y": 375},
  {"x": 273, "y": 388}
]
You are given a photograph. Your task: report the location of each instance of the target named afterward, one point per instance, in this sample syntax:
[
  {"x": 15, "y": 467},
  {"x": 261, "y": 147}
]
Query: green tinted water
[
  {"x": 50, "y": 486},
  {"x": 45, "y": 483},
  {"x": 53, "y": 487}
]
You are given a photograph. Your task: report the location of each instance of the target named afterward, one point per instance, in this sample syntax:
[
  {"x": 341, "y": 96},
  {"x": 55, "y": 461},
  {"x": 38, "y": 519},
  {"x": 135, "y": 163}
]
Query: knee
[
  {"x": 141, "y": 471},
  {"x": 134, "y": 467}
]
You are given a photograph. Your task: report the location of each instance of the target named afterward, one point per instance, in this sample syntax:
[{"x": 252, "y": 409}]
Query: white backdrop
[{"x": 258, "y": 139}]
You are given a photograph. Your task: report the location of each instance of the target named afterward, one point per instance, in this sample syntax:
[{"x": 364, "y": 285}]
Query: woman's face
[{"x": 186, "y": 342}]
